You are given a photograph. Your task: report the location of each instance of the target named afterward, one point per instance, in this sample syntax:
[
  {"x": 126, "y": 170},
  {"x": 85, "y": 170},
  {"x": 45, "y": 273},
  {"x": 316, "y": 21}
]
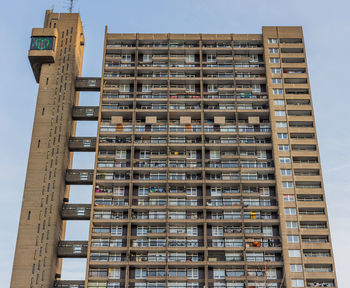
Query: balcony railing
[
  {"x": 185, "y": 128},
  {"x": 104, "y": 203},
  {"x": 219, "y": 128},
  {"x": 116, "y": 128},
  {"x": 116, "y": 107},
  {"x": 108, "y": 242},
  {"x": 148, "y": 258},
  {"x": 223, "y": 243},
  {"x": 151, "y": 128},
  {"x": 225, "y": 258},
  {"x": 185, "y": 243},
  {"x": 117, "y": 96}
]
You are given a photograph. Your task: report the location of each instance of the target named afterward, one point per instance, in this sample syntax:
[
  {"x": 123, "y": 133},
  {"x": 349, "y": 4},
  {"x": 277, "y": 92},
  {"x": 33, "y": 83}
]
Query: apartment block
[{"x": 207, "y": 170}]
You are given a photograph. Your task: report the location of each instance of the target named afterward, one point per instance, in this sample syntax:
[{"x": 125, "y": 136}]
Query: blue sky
[{"x": 326, "y": 27}]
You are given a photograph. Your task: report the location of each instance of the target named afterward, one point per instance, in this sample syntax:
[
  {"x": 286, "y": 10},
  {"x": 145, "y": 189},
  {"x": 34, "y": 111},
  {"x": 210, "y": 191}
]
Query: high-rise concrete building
[{"x": 207, "y": 170}]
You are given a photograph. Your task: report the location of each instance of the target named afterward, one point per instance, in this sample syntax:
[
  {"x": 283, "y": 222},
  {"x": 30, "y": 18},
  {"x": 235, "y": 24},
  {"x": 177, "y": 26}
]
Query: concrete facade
[{"x": 207, "y": 170}]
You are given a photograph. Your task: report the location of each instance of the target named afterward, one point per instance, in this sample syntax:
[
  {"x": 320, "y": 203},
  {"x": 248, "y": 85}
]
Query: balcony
[
  {"x": 223, "y": 258},
  {"x": 185, "y": 243},
  {"x": 146, "y": 258},
  {"x": 85, "y": 113},
  {"x": 209, "y": 128},
  {"x": 154, "y": 106},
  {"x": 116, "y": 107},
  {"x": 111, "y": 203},
  {"x": 187, "y": 95},
  {"x": 82, "y": 144},
  {"x": 185, "y": 128},
  {"x": 69, "y": 284},
  {"x": 76, "y": 211},
  {"x": 72, "y": 249},
  {"x": 79, "y": 177},
  {"x": 264, "y": 128},
  {"x": 320, "y": 283},
  {"x": 88, "y": 84},
  {"x": 106, "y": 127}
]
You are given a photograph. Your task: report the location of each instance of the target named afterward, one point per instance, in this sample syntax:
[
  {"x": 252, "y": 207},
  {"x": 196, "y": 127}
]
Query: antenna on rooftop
[{"x": 71, "y": 5}]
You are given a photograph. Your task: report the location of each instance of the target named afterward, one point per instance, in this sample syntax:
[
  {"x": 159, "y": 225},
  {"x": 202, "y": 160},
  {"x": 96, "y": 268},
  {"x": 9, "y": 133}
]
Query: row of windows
[
  {"x": 193, "y": 44},
  {"x": 285, "y": 40}
]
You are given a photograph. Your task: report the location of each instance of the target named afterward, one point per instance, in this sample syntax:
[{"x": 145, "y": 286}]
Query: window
[
  {"x": 81, "y": 212},
  {"x": 212, "y": 88},
  {"x": 273, "y": 50},
  {"x": 214, "y": 154},
  {"x": 278, "y": 102},
  {"x": 261, "y": 154},
  {"x": 126, "y": 57},
  {"x": 256, "y": 88},
  {"x": 271, "y": 274},
  {"x": 274, "y": 60},
  {"x": 191, "y": 154},
  {"x": 293, "y": 239},
  {"x": 254, "y": 58},
  {"x": 273, "y": 41},
  {"x": 287, "y": 185},
  {"x": 144, "y": 154},
  {"x": 291, "y": 225},
  {"x": 276, "y": 81},
  {"x": 275, "y": 70},
  {"x": 190, "y": 58},
  {"x": 147, "y": 58},
  {"x": 280, "y": 113},
  {"x": 281, "y": 124},
  {"x": 219, "y": 273},
  {"x": 120, "y": 154},
  {"x": 286, "y": 172},
  {"x": 192, "y": 231},
  {"x": 114, "y": 273},
  {"x": 141, "y": 273},
  {"x": 294, "y": 253},
  {"x": 77, "y": 249},
  {"x": 146, "y": 88},
  {"x": 191, "y": 191},
  {"x": 282, "y": 136},
  {"x": 216, "y": 191},
  {"x": 211, "y": 58},
  {"x": 143, "y": 191},
  {"x": 190, "y": 88},
  {"x": 117, "y": 231},
  {"x": 296, "y": 268},
  {"x": 192, "y": 273},
  {"x": 277, "y": 91},
  {"x": 124, "y": 88},
  {"x": 217, "y": 231},
  {"x": 288, "y": 198},
  {"x": 298, "y": 283},
  {"x": 283, "y": 147},
  {"x": 290, "y": 211},
  {"x": 267, "y": 230},
  {"x": 284, "y": 160}
]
